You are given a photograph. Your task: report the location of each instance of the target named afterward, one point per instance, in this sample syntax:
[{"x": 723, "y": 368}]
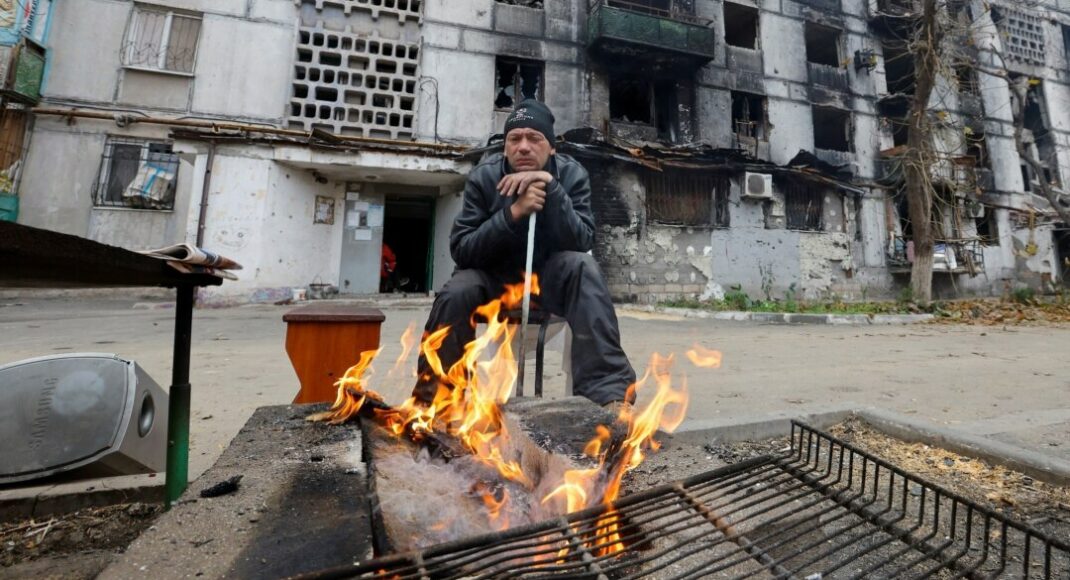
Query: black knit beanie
[{"x": 531, "y": 114}]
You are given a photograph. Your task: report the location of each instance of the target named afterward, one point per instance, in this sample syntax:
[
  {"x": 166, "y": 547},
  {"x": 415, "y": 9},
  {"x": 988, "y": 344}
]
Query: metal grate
[
  {"x": 822, "y": 510},
  {"x": 687, "y": 198}
]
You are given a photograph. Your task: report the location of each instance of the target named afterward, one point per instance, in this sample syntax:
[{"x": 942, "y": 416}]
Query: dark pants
[{"x": 572, "y": 287}]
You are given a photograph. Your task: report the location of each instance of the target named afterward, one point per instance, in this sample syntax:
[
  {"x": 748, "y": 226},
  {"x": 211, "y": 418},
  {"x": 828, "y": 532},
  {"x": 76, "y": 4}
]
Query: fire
[
  {"x": 704, "y": 358},
  {"x": 468, "y": 403},
  {"x": 665, "y": 411},
  {"x": 467, "y": 408}
]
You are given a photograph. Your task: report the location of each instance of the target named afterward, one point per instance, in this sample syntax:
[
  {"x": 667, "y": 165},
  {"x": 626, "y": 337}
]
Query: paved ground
[{"x": 1009, "y": 383}]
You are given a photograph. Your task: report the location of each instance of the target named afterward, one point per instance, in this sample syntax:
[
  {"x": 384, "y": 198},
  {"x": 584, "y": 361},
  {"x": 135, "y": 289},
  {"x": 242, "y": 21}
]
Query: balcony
[
  {"x": 650, "y": 33},
  {"x": 831, "y": 77},
  {"x": 21, "y": 71},
  {"x": 959, "y": 256}
]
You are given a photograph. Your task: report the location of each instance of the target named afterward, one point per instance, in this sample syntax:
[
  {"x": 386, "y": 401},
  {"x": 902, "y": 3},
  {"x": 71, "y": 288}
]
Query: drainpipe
[{"x": 203, "y": 214}]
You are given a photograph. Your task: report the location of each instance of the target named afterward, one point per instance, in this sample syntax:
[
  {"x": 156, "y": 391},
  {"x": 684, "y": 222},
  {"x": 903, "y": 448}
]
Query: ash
[{"x": 424, "y": 500}]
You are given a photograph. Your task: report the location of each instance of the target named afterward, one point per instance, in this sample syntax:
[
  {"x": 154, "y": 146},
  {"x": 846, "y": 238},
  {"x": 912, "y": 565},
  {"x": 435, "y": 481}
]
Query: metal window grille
[
  {"x": 517, "y": 80},
  {"x": 687, "y": 198},
  {"x": 804, "y": 207},
  {"x": 13, "y": 145},
  {"x": 162, "y": 40},
  {"x": 137, "y": 174}
]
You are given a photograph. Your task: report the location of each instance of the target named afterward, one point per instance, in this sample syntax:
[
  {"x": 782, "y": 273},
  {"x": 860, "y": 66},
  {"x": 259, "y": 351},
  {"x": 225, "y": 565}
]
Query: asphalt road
[{"x": 1011, "y": 383}]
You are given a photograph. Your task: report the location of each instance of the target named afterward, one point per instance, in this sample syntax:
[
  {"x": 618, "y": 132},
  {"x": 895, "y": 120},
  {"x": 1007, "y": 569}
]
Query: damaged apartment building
[{"x": 734, "y": 143}]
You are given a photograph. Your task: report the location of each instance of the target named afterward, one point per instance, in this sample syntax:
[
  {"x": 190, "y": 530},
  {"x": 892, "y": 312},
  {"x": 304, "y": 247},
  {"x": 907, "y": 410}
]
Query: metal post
[
  {"x": 178, "y": 405},
  {"x": 525, "y": 308}
]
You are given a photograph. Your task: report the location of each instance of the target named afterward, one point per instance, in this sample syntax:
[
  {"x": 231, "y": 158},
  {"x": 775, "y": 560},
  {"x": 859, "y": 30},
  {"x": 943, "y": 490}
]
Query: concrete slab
[
  {"x": 1048, "y": 467},
  {"x": 293, "y": 472},
  {"x": 54, "y": 498}
]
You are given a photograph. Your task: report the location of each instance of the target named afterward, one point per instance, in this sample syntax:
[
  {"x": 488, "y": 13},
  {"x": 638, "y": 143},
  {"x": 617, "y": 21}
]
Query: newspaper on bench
[{"x": 189, "y": 259}]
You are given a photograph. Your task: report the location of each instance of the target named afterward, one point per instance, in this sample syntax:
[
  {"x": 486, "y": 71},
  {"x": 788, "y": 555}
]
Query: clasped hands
[{"x": 530, "y": 189}]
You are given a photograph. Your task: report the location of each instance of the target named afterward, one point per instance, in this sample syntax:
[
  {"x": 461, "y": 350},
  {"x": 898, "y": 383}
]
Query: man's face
[{"x": 527, "y": 149}]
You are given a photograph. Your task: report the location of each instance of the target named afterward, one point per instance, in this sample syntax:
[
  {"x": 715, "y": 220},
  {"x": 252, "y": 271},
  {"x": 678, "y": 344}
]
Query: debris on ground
[
  {"x": 997, "y": 486},
  {"x": 225, "y": 487},
  {"x": 1003, "y": 312},
  {"x": 86, "y": 531}
]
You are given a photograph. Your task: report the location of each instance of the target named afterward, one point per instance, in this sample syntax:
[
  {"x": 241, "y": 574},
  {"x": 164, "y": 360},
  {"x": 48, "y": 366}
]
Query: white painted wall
[
  {"x": 260, "y": 214},
  {"x": 446, "y": 209},
  {"x": 244, "y": 68},
  {"x": 84, "y": 47}
]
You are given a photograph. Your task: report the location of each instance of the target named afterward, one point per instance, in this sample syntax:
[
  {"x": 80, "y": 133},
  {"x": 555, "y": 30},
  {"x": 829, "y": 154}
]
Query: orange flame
[
  {"x": 665, "y": 411},
  {"x": 494, "y": 507},
  {"x": 467, "y": 407},
  {"x": 704, "y": 358},
  {"x": 468, "y": 402}
]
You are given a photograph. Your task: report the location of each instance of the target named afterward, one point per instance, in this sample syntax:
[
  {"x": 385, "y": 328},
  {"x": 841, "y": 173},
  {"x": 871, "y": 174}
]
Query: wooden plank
[{"x": 36, "y": 258}]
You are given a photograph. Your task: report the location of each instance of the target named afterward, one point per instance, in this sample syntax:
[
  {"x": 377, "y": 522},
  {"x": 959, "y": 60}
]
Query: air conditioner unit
[
  {"x": 757, "y": 186},
  {"x": 59, "y": 413}
]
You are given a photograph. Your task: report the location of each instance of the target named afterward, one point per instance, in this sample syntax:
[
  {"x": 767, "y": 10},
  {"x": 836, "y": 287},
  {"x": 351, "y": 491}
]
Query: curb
[
  {"x": 45, "y": 500},
  {"x": 789, "y": 317},
  {"x": 1046, "y": 468},
  {"x": 1037, "y": 465}
]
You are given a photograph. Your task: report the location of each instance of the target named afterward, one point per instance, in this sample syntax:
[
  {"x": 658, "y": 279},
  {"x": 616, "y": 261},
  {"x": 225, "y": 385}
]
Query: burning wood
[{"x": 463, "y": 440}]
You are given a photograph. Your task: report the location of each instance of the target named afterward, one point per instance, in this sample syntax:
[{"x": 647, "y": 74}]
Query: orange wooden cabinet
[{"x": 323, "y": 341}]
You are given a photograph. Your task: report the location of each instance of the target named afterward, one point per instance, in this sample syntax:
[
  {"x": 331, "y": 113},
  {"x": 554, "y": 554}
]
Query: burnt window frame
[
  {"x": 839, "y": 46},
  {"x": 763, "y": 102},
  {"x": 849, "y": 129},
  {"x": 800, "y": 213},
  {"x": 648, "y": 83},
  {"x": 108, "y": 193},
  {"x": 518, "y": 87},
  {"x": 757, "y": 45},
  {"x": 689, "y": 194}
]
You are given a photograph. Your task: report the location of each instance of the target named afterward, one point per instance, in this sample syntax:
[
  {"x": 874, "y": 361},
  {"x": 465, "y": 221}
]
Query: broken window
[
  {"x": 161, "y": 40},
  {"x": 966, "y": 79},
  {"x": 137, "y": 173},
  {"x": 645, "y": 101},
  {"x": 977, "y": 147},
  {"x": 528, "y": 3},
  {"x": 655, "y": 7},
  {"x": 665, "y": 108},
  {"x": 1066, "y": 41},
  {"x": 631, "y": 98},
  {"x": 1038, "y": 136},
  {"x": 517, "y": 80},
  {"x": 822, "y": 45},
  {"x": 988, "y": 227},
  {"x": 899, "y": 68},
  {"x": 748, "y": 115},
  {"x": 832, "y": 129},
  {"x": 740, "y": 25},
  {"x": 804, "y": 206},
  {"x": 687, "y": 198},
  {"x": 900, "y": 132}
]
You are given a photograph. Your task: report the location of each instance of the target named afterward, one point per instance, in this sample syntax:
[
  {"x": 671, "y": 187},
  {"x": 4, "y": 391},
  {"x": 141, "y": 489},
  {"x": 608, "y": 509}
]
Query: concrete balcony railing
[
  {"x": 23, "y": 65},
  {"x": 746, "y": 59},
  {"x": 623, "y": 24},
  {"x": 828, "y": 76}
]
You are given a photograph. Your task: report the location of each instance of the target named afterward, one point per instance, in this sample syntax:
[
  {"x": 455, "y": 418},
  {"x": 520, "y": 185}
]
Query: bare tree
[{"x": 917, "y": 170}]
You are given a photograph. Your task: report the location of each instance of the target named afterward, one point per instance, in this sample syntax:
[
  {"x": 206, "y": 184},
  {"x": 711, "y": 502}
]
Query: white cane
[{"x": 525, "y": 308}]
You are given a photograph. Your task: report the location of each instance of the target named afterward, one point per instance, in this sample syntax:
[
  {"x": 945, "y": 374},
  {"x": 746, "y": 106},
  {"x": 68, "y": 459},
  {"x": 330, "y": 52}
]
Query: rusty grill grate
[{"x": 821, "y": 510}]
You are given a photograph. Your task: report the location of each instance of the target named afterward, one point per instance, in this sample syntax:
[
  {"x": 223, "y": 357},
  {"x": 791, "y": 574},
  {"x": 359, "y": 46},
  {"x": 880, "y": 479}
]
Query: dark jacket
[{"x": 485, "y": 237}]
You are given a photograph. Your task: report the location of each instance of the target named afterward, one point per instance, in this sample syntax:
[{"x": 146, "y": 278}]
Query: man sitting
[{"x": 488, "y": 244}]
